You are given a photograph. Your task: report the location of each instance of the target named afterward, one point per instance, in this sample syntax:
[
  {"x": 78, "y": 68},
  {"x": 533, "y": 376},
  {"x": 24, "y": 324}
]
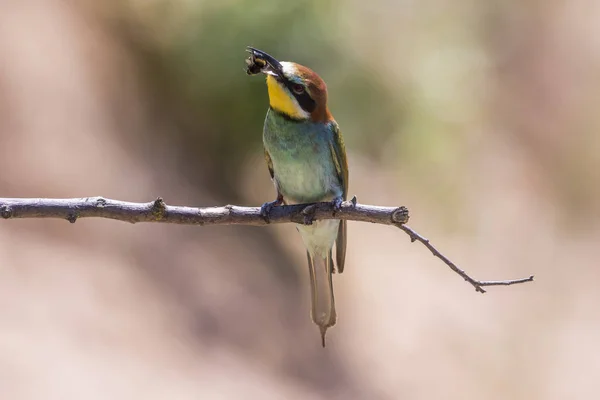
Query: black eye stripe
[{"x": 304, "y": 99}]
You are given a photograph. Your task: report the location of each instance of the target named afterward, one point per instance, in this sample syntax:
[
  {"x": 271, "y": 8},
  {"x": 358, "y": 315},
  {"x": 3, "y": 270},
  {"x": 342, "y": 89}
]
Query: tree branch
[{"x": 158, "y": 211}]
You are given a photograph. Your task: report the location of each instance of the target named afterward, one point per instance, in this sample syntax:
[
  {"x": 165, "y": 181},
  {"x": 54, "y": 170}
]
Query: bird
[{"x": 306, "y": 158}]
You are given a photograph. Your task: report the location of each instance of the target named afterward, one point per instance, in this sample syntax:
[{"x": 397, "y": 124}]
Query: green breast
[{"x": 302, "y": 160}]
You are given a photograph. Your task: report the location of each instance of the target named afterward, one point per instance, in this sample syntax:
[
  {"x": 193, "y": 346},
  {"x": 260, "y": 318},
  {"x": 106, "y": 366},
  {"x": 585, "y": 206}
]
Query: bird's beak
[{"x": 259, "y": 61}]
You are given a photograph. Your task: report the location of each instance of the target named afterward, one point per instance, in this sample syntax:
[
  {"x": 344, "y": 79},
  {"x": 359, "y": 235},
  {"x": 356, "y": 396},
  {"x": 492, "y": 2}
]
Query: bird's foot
[
  {"x": 265, "y": 209},
  {"x": 337, "y": 204},
  {"x": 309, "y": 214}
]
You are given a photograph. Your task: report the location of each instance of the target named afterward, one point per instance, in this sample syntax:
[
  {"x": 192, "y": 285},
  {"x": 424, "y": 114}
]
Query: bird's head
[{"x": 294, "y": 90}]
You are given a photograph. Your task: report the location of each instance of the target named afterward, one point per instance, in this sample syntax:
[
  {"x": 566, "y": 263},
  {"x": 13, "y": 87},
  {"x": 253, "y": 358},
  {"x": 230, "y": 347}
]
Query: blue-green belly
[
  {"x": 304, "y": 172},
  {"x": 302, "y": 160}
]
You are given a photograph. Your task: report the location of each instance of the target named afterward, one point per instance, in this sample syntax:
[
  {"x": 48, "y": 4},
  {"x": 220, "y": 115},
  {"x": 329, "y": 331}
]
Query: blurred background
[{"x": 480, "y": 117}]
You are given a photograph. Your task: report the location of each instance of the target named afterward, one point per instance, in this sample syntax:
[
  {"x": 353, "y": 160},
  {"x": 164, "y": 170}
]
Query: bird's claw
[
  {"x": 266, "y": 208},
  {"x": 309, "y": 214},
  {"x": 337, "y": 204}
]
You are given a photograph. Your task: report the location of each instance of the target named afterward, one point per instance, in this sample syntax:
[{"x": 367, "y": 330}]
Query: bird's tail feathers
[{"x": 321, "y": 288}]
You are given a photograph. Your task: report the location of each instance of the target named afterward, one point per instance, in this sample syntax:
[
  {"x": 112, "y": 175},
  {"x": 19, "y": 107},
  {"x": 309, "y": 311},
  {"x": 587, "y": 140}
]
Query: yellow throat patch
[{"x": 280, "y": 100}]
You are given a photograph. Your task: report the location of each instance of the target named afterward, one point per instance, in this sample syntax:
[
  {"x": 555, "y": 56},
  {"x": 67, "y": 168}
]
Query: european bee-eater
[{"x": 306, "y": 158}]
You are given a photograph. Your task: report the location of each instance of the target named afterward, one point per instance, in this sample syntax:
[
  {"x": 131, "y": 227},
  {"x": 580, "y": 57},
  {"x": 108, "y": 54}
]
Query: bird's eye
[{"x": 298, "y": 89}]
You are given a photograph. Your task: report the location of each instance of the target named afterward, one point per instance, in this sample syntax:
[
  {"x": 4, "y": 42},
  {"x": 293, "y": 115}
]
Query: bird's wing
[
  {"x": 338, "y": 153},
  {"x": 269, "y": 163}
]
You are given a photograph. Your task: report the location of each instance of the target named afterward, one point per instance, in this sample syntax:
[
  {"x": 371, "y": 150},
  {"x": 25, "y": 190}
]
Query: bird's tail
[{"x": 321, "y": 290}]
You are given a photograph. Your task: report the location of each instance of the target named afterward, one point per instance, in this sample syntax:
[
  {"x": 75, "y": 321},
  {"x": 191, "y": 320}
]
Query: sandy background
[{"x": 482, "y": 118}]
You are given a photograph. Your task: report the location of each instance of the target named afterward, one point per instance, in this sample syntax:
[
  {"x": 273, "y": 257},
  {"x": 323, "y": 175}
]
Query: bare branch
[
  {"x": 478, "y": 285},
  {"x": 157, "y": 211}
]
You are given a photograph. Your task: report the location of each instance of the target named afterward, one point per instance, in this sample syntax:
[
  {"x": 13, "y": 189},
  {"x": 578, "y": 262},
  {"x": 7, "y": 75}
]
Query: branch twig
[
  {"x": 478, "y": 285},
  {"x": 158, "y": 211}
]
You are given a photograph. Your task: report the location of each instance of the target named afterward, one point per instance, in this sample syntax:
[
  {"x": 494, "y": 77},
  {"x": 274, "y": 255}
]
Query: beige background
[{"x": 481, "y": 117}]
